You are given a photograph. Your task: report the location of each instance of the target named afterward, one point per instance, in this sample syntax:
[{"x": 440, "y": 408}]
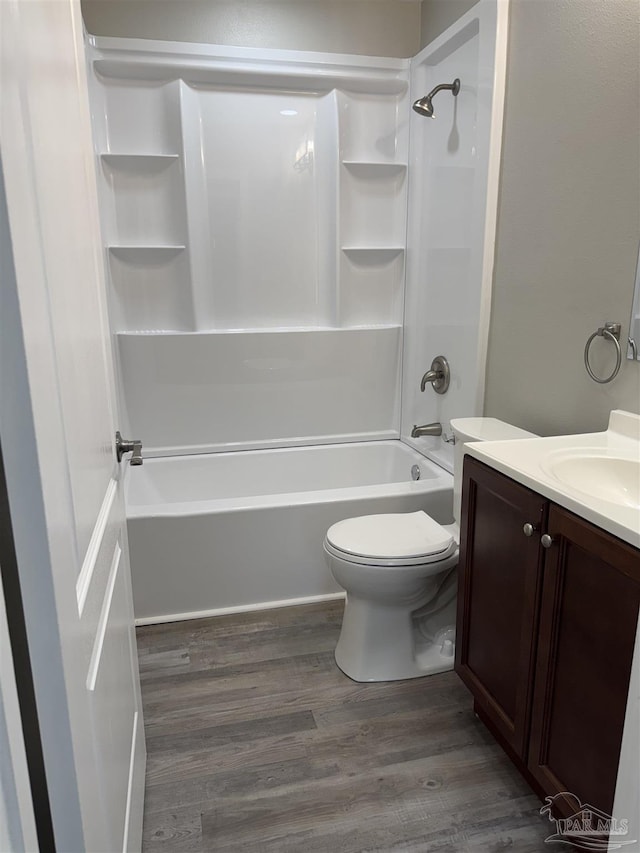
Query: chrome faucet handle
[
  {"x": 136, "y": 456},
  {"x": 430, "y": 376},
  {"x": 438, "y": 375}
]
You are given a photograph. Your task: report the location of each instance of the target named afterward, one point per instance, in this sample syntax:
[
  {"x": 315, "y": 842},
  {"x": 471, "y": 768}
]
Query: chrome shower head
[{"x": 424, "y": 106}]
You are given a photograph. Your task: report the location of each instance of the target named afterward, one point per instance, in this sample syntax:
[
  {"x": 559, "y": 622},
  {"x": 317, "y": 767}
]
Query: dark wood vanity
[{"x": 547, "y": 618}]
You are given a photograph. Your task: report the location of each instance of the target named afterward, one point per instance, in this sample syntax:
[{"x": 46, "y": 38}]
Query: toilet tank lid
[
  {"x": 487, "y": 429},
  {"x": 390, "y": 536}
]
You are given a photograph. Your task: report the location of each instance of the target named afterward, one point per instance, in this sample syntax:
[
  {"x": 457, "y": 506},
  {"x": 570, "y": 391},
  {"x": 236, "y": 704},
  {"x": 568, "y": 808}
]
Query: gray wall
[
  {"x": 369, "y": 27},
  {"x": 437, "y": 15},
  {"x": 569, "y": 213}
]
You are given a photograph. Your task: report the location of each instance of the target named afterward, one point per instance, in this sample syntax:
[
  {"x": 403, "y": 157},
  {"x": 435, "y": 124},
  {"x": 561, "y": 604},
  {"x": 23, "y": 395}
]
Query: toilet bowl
[{"x": 399, "y": 574}]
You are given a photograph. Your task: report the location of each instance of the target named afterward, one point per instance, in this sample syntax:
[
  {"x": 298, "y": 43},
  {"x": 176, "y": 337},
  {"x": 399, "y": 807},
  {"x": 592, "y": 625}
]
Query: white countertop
[{"x": 527, "y": 462}]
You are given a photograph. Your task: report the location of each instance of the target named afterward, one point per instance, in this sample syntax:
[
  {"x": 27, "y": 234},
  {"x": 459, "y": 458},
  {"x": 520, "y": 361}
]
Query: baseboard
[{"x": 240, "y": 608}]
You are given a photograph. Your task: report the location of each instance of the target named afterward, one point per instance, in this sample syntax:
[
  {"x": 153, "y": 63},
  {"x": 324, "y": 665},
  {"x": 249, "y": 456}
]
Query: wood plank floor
[{"x": 258, "y": 743}]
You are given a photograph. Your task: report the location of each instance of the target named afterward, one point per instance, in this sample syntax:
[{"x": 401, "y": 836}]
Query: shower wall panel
[
  {"x": 254, "y": 217},
  {"x": 246, "y": 390},
  {"x": 269, "y": 173},
  {"x": 453, "y": 176}
]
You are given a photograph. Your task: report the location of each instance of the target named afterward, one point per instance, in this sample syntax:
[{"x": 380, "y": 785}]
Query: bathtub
[{"x": 227, "y": 532}]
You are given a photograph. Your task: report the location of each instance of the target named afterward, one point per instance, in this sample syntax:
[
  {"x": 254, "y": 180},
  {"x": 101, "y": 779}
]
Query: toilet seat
[{"x": 391, "y": 539}]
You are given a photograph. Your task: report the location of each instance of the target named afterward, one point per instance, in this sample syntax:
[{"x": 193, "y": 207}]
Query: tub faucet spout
[{"x": 426, "y": 429}]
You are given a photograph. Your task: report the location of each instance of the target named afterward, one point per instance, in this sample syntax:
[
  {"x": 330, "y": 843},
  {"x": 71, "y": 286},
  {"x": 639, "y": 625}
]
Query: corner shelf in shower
[
  {"x": 372, "y": 254},
  {"x": 373, "y": 168},
  {"x": 139, "y": 161},
  {"x": 142, "y": 254}
]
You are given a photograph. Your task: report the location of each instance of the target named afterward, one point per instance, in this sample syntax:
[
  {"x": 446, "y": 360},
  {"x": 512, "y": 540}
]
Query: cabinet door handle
[
  {"x": 546, "y": 540},
  {"x": 529, "y": 529}
]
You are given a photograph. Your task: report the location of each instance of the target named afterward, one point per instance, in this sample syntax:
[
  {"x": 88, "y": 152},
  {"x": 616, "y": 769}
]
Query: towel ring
[{"x": 610, "y": 331}]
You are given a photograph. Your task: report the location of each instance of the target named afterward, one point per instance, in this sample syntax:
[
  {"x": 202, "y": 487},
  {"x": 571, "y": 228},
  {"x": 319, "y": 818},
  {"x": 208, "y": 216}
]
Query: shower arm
[{"x": 451, "y": 87}]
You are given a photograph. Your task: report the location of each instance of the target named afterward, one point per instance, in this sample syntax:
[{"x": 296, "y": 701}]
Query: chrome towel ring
[{"x": 610, "y": 331}]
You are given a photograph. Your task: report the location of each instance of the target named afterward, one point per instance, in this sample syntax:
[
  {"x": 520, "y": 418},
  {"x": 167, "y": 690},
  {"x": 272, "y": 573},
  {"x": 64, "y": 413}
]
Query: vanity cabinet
[
  {"x": 498, "y": 600},
  {"x": 546, "y": 634}
]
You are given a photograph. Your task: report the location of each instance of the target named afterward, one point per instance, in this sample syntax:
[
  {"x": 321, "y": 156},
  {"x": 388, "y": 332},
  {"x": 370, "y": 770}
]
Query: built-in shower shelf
[
  {"x": 372, "y": 254},
  {"x": 372, "y": 168},
  {"x": 139, "y": 161},
  {"x": 142, "y": 254}
]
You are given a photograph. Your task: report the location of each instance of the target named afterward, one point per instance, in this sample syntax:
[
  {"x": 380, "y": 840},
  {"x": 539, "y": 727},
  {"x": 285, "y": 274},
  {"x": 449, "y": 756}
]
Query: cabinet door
[
  {"x": 498, "y": 592},
  {"x": 588, "y": 622}
]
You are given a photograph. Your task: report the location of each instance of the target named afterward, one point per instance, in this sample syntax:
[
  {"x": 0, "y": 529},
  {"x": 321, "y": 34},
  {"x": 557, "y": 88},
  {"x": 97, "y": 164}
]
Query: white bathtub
[{"x": 226, "y": 532}]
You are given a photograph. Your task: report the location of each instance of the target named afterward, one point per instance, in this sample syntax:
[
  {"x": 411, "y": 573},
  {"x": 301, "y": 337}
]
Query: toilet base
[
  {"x": 428, "y": 662},
  {"x": 385, "y": 643}
]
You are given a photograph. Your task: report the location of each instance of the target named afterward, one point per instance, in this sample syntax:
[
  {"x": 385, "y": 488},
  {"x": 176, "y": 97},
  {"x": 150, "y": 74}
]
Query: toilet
[{"x": 399, "y": 573}]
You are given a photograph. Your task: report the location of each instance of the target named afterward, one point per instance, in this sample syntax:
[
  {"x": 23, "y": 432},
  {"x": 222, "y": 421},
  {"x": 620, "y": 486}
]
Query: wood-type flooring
[{"x": 258, "y": 743}]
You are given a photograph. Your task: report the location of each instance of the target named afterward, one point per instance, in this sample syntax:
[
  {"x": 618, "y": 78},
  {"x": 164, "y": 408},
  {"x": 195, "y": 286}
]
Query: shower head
[{"x": 424, "y": 106}]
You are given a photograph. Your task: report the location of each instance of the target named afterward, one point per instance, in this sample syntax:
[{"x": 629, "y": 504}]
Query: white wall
[{"x": 369, "y": 27}]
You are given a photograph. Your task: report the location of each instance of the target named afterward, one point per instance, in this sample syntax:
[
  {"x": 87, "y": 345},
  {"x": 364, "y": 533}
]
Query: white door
[{"x": 57, "y": 430}]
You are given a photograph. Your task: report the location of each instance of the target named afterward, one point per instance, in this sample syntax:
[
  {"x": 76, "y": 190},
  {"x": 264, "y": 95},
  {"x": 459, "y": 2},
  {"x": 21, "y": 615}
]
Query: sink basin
[
  {"x": 615, "y": 479},
  {"x": 594, "y": 475}
]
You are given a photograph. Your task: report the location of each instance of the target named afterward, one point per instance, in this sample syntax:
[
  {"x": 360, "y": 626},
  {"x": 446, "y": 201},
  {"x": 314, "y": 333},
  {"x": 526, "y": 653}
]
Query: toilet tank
[{"x": 477, "y": 429}]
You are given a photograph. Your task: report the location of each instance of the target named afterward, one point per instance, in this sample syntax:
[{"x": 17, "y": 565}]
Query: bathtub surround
[
  {"x": 196, "y": 393},
  {"x": 288, "y": 247},
  {"x": 453, "y": 193},
  {"x": 258, "y": 290},
  {"x": 254, "y": 220}
]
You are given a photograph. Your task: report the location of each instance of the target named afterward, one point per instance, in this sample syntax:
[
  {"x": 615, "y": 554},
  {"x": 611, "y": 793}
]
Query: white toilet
[{"x": 399, "y": 573}]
